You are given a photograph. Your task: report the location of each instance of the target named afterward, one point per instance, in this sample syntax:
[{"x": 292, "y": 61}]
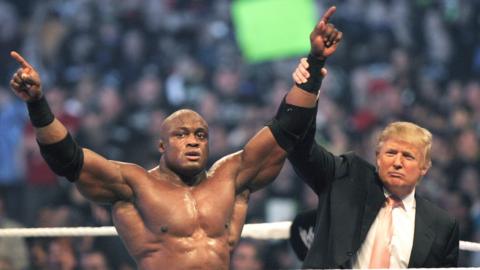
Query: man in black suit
[{"x": 352, "y": 209}]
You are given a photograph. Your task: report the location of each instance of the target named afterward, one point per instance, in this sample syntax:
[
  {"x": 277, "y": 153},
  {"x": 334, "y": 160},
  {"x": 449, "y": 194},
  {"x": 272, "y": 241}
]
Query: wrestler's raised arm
[
  {"x": 311, "y": 161},
  {"x": 264, "y": 155},
  {"x": 324, "y": 40},
  {"x": 97, "y": 178}
]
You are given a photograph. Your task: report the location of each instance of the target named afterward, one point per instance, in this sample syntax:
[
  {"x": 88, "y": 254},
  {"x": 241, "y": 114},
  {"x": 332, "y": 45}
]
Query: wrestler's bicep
[
  {"x": 103, "y": 180},
  {"x": 261, "y": 160}
]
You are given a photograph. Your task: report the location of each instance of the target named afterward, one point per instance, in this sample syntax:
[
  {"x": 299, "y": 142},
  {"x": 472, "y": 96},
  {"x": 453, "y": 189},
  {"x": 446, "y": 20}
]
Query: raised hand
[
  {"x": 325, "y": 38},
  {"x": 25, "y": 83}
]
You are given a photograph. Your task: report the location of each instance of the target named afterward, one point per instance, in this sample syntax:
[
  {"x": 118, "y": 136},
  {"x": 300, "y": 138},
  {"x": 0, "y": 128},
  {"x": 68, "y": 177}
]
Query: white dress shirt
[{"x": 402, "y": 239}]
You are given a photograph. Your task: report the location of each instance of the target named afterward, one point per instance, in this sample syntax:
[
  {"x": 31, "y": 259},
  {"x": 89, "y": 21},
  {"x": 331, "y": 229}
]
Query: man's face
[
  {"x": 245, "y": 258},
  {"x": 93, "y": 261},
  {"x": 400, "y": 166},
  {"x": 185, "y": 143}
]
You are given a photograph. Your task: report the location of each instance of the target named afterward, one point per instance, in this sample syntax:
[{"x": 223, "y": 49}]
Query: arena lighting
[{"x": 273, "y": 29}]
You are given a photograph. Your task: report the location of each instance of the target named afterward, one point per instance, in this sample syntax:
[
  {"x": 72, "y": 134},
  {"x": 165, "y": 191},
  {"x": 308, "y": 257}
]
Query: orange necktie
[{"x": 383, "y": 237}]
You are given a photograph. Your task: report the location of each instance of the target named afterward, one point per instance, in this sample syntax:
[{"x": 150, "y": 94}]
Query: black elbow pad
[
  {"x": 290, "y": 124},
  {"x": 65, "y": 158}
]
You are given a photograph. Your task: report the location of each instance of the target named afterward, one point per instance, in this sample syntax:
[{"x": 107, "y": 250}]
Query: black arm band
[
  {"x": 65, "y": 158},
  {"x": 314, "y": 82},
  {"x": 40, "y": 113},
  {"x": 290, "y": 124}
]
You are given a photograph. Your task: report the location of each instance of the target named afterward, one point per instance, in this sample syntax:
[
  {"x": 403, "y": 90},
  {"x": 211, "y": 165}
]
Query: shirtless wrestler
[{"x": 178, "y": 215}]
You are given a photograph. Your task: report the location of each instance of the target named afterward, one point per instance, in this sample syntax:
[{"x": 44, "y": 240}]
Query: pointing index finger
[
  {"x": 20, "y": 59},
  {"x": 328, "y": 14}
]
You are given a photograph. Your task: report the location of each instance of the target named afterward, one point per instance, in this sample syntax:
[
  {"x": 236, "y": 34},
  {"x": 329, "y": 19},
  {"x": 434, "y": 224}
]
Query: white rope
[
  {"x": 275, "y": 230},
  {"x": 265, "y": 231},
  {"x": 470, "y": 246},
  {"x": 52, "y": 232}
]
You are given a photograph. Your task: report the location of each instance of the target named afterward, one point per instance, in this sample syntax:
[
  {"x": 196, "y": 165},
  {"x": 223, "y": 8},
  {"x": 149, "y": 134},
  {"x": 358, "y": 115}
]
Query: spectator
[
  {"x": 417, "y": 55},
  {"x": 247, "y": 256},
  {"x": 61, "y": 255},
  {"x": 12, "y": 171},
  {"x": 13, "y": 250},
  {"x": 6, "y": 264},
  {"x": 93, "y": 260}
]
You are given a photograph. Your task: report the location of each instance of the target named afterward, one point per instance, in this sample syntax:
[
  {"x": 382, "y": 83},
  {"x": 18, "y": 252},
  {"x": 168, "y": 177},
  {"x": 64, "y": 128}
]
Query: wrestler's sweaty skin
[{"x": 178, "y": 215}]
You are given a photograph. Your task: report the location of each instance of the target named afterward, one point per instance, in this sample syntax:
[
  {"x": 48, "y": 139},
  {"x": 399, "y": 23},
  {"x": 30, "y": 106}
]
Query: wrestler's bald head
[
  {"x": 184, "y": 143},
  {"x": 180, "y": 118}
]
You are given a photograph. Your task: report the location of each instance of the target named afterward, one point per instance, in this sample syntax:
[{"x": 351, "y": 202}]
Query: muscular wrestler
[{"x": 177, "y": 215}]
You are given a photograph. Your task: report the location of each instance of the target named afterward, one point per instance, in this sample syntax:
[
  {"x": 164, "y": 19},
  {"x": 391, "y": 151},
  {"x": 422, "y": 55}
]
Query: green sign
[{"x": 273, "y": 29}]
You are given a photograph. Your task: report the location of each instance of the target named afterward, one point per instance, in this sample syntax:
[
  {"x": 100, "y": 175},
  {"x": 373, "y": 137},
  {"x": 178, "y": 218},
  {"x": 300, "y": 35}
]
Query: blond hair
[{"x": 410, "y": 133}]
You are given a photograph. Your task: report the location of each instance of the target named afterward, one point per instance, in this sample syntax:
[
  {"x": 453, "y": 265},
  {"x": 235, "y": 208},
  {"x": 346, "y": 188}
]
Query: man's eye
[
  {"x": 202, "y": 135},
  {"x": 180, "y": 135}
]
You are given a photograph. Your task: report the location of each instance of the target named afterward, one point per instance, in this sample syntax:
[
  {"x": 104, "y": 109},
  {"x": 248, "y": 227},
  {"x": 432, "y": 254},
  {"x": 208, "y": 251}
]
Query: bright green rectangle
[{"x": 273, "y": 29}]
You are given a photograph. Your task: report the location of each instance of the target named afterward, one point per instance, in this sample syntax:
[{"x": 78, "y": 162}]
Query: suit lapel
[
  {"x": 373, "y": 202},
  {"x": 422, "y": 237}
]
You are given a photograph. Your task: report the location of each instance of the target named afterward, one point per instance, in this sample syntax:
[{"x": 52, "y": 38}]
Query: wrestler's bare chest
[{"x": 181, "y": 211}]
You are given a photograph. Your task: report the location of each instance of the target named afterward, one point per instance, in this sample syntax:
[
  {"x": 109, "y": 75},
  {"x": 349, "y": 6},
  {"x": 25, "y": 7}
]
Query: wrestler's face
[
  {"x": 400, "y": 166},
  {"x": 184, "y": 143}
]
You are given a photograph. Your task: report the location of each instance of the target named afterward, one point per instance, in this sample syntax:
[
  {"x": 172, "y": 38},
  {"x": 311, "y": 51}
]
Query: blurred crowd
[{"x": 112, "y": 70}]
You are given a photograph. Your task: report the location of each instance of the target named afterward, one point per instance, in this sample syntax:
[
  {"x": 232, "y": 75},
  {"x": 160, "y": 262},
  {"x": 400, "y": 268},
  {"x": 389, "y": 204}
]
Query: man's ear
[
  {"x": 161, "y": 146},
  {"x": 377, "y": 160},
  {"x": 425, "y": 168}
]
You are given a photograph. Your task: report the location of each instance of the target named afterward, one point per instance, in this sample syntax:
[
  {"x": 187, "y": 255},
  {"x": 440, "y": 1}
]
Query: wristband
[
  {"x": 314, "y": 82},
  {"x": 40, "y": 113}
]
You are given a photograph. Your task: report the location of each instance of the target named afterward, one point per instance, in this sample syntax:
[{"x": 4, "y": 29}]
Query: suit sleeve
[
  {"x": 314, "y": 164},
  {"x": 452, "y": 247}
]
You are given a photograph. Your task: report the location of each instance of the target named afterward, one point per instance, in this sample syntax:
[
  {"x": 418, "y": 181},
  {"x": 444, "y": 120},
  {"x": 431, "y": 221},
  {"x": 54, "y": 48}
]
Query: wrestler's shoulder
[
  {"x": 128, "y": 165},
  {"x": 132, "y": 170},
  {"x": 227, "y": 162}
]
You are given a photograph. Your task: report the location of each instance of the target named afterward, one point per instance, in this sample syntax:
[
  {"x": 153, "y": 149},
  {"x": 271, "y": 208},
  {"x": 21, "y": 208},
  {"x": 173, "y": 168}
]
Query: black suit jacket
[{"x": 350, "y": 196}]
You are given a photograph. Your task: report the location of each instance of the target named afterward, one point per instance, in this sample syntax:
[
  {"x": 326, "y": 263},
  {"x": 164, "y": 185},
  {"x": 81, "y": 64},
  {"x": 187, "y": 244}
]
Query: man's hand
[
  {"x": 25, "y": 83},
  {"x": 301, "y": 74},
  {"x": 325, "y": 38}
]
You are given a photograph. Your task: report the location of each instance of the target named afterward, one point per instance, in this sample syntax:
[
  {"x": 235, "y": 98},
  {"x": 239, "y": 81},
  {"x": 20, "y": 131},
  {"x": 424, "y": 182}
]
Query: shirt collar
[{"x": 408, "y": 201}]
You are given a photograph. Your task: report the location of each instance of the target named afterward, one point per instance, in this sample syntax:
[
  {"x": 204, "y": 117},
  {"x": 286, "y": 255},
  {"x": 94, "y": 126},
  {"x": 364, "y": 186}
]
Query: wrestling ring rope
[{"x": 264, "y": 231}]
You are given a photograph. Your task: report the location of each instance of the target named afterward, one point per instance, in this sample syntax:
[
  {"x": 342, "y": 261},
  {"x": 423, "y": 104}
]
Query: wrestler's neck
[
  {"x": 178, "y": 177},
  {"x": 192, "y": 180}
]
